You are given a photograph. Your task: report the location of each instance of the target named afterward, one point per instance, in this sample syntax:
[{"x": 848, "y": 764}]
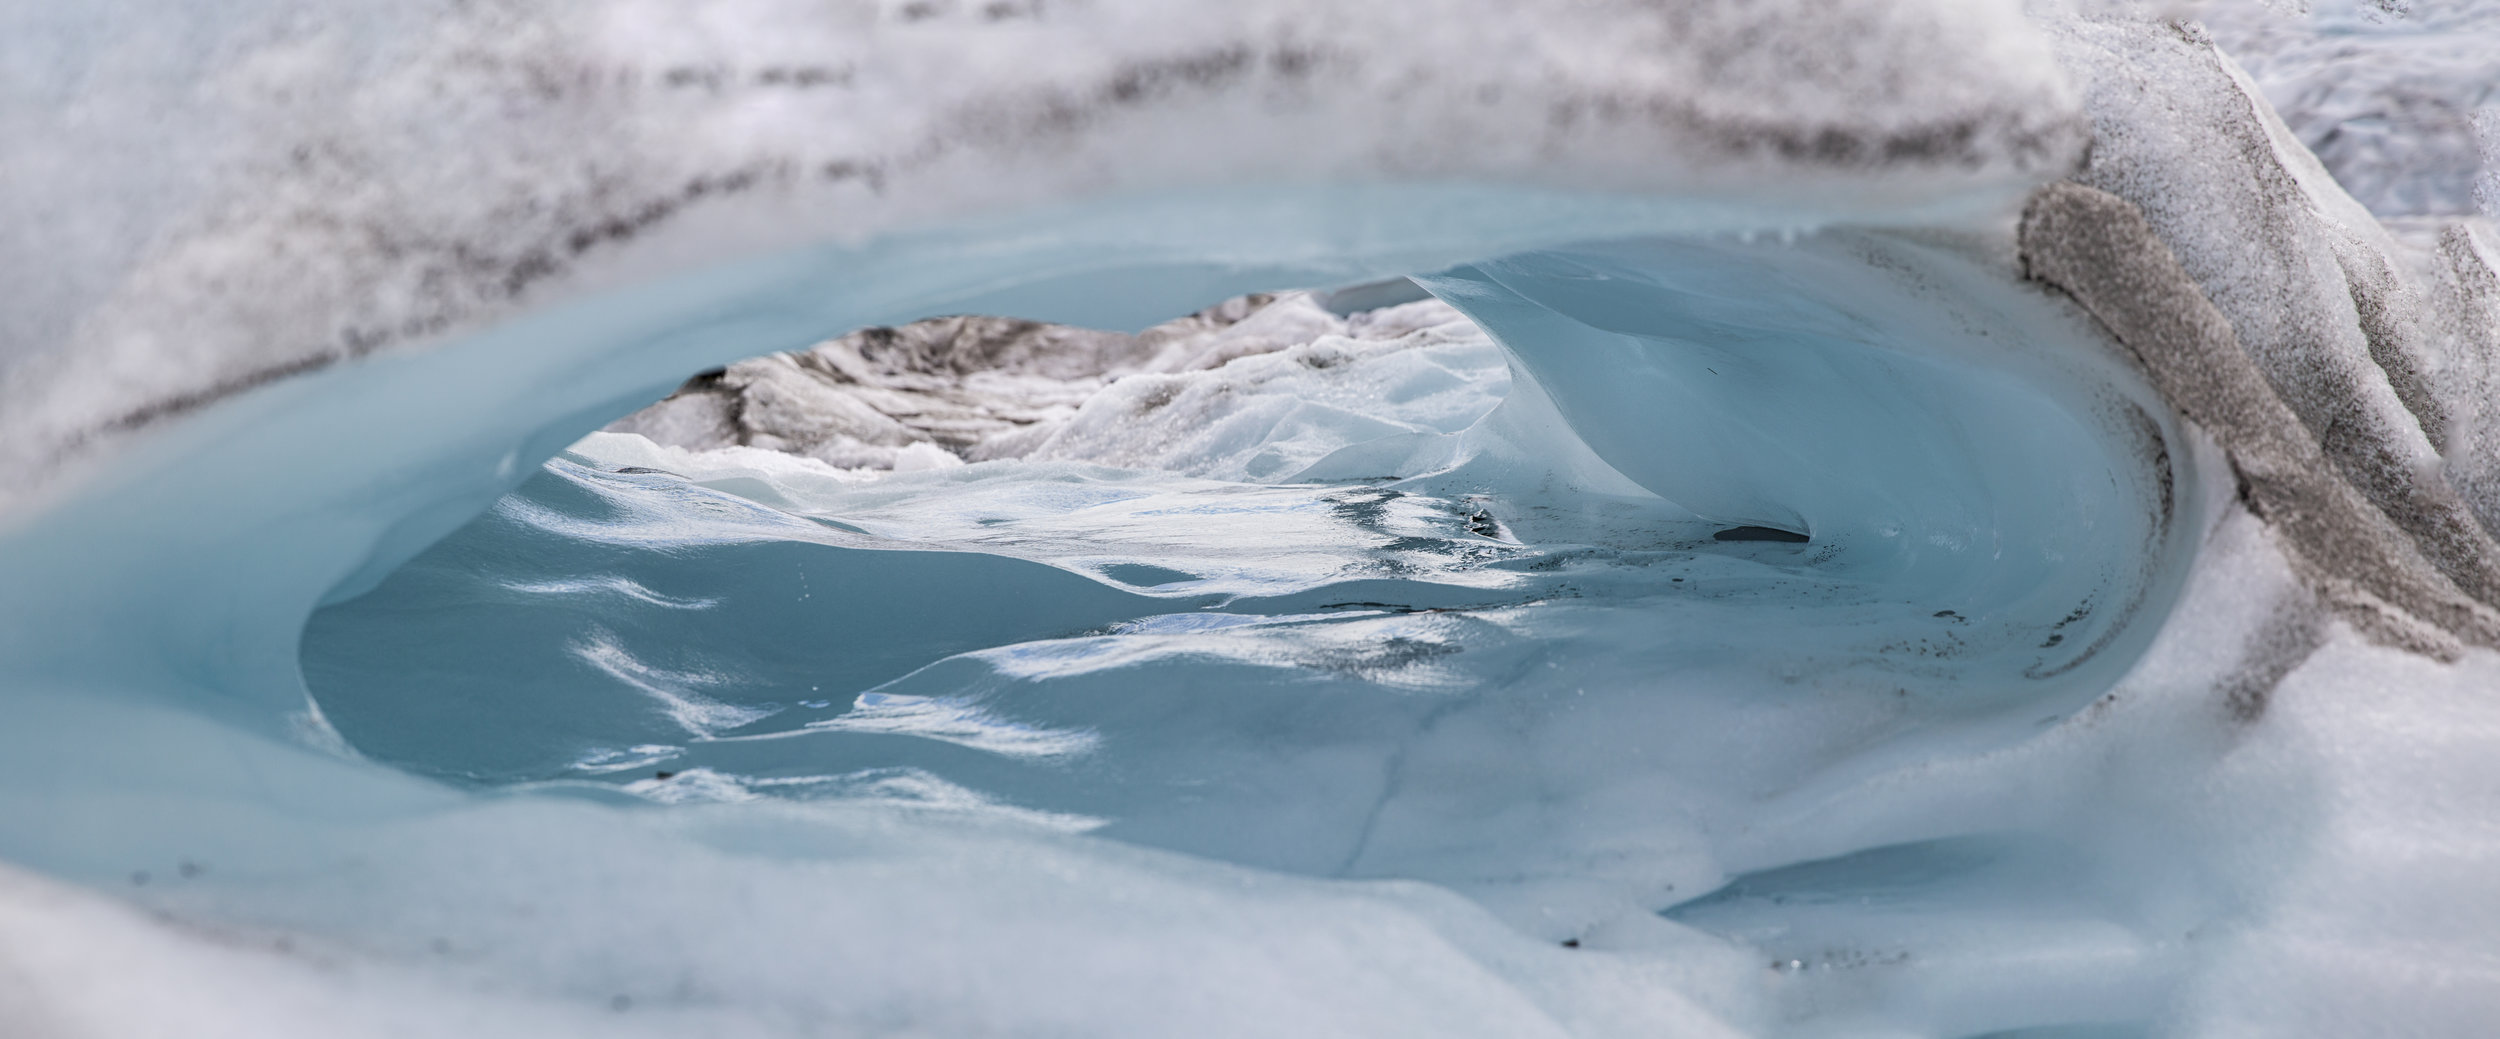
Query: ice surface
[{"x": 1337, "y": 663}]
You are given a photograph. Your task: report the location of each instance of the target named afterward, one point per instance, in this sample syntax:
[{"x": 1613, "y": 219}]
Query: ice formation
[{"x": 1703, "y": 519}]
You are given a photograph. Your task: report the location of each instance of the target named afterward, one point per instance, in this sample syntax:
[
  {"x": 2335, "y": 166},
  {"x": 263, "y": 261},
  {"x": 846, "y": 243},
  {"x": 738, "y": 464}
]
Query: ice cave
[{"x": 1969, "y": 519}]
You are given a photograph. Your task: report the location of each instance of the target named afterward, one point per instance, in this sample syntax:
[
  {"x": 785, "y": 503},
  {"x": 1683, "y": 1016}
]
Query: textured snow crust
[
  {"x": 2375, "y": 344},
  {"x": 1322, "y": 674}
]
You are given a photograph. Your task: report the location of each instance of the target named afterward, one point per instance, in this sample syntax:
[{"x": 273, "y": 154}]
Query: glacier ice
[{"x": 1326, "y": 662}]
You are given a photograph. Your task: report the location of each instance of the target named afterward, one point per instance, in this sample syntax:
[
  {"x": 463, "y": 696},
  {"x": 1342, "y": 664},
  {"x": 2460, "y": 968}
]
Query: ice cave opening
[
  {"x": 1611, "y": 587},
  {"x": 1537, "y": 587},
  {"x": 1248, "y": 519}
]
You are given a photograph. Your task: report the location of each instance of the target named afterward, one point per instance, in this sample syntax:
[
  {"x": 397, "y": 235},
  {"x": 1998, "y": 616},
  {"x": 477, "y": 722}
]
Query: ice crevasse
[{"x": 1862, "y": 519}]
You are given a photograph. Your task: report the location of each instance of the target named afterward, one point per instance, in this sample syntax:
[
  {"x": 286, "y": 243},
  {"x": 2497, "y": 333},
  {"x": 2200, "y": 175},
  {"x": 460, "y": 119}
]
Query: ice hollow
[
  {"x": 1662, "y": 541},
  {"x": 1351, "y": 632}
]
